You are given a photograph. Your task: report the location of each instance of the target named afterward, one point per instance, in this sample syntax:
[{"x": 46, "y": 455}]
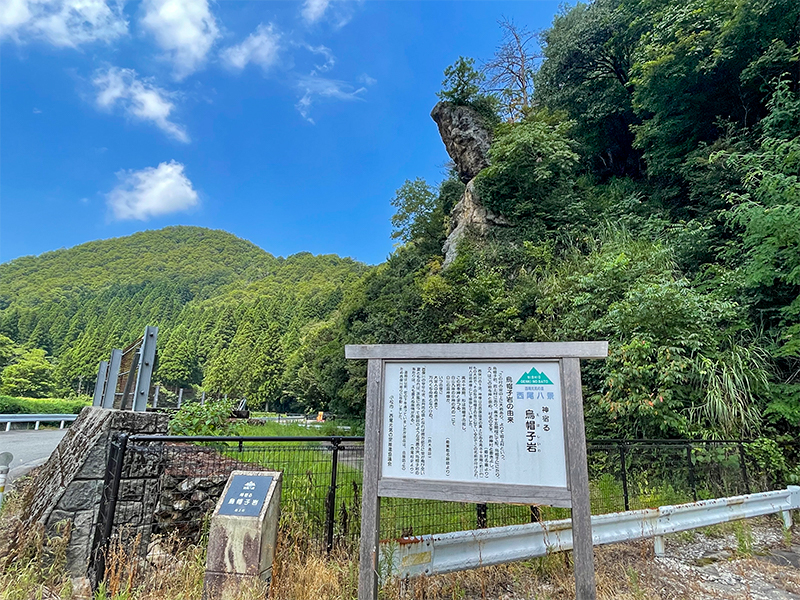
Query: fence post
[
  {"x": 624, "y": 473},
  {"x": 110, "y": 393},
  {"x": 482, "y": 516},
  {"x": 743, "y": 462},
  {"x": 147, "y": 359},
  {"x": 99, "y": 387},
  {"x": 108, "y": 504},
  {"x": 692, "y": 480},
  {"x": 330, "y": 504}
]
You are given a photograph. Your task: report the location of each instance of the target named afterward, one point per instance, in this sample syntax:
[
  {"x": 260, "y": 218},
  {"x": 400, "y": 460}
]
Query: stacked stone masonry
[{"x": 69, "y": 487}]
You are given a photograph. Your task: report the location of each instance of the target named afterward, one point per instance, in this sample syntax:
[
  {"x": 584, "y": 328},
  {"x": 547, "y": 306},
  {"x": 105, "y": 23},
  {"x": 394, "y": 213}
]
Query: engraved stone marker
[{"x": 243, "y": 534}]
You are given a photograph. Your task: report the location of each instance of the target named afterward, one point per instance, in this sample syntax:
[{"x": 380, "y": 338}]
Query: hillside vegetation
[
  {"x": 645, "y": 165},
  {"x": 229, "y": 313}
]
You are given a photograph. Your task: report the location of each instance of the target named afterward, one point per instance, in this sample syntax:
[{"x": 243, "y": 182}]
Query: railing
[
  {"x": 37, "y": 419},
  {"x": 450, "y": 552},
  {"x": 322, "y": 488}
]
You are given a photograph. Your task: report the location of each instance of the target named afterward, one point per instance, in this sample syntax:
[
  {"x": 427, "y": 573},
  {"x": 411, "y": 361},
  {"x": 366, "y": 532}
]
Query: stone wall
[{"x": 69, "y": 486}]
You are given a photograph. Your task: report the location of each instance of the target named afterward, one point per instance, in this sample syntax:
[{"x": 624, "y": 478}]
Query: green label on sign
[{"x": 534, "y": 377}]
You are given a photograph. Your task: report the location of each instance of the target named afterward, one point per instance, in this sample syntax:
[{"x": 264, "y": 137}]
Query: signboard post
[{"x": 476, "y": 423}]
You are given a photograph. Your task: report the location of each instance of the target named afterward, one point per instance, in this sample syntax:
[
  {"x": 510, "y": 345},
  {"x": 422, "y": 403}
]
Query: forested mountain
[
  {"x": 204, "y": 289},
  {"x": 637, "y": 179}
]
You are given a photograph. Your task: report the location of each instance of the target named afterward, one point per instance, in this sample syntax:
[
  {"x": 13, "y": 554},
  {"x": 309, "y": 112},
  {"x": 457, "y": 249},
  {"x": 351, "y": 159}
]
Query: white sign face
[{"x": 492, "y": 422}]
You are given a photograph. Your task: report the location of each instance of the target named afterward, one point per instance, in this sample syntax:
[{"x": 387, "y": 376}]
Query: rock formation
[
  {"x": 467, "y": 140},
  {"x": 465, "y": 137}
]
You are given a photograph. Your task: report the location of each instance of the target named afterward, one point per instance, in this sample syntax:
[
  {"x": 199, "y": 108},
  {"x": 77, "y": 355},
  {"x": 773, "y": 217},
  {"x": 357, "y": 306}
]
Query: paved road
[{"x": 30, "y": 448}]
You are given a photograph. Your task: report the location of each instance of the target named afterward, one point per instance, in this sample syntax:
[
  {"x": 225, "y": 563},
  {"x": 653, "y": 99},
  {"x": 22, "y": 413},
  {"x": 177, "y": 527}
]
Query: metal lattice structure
[{"x": 123, "y": 381}]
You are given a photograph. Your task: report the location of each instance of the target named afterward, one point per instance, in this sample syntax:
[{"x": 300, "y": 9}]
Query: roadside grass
[
  {"x": 272, "y": 428},
  {"x": 15, "y": 406},
  {"x": 32, "y": 567}
]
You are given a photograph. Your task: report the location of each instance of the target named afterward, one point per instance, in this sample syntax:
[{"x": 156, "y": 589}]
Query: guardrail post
[
  {"x": 743, "y": 462},
  {"x": 786, "y": 515},
  {"x": 8, "y": 425},
  {"x": 61, "y": 425},
  {"x": 659, "y": 546},
  {"x": 36, "y": 426},
  {"x": 5, "y": 462},
  {"x": 330, "y": 502},
  {"x": 692, "y": 481},
  {"x": 624, "y": 474}
]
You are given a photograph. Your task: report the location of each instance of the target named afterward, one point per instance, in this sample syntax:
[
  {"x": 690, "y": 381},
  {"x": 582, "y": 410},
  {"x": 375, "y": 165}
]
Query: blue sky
[{"x": 289, "y": 124}]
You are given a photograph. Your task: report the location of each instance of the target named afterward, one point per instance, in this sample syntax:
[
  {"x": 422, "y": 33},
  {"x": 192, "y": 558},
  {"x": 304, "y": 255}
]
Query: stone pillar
[
  {"x": 69, "y": 486},
  {"x": 243, "y": 535}
]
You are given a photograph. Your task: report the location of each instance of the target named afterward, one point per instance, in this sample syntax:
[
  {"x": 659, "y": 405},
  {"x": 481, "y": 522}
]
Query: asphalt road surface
[{"x": 30, "y": 448}]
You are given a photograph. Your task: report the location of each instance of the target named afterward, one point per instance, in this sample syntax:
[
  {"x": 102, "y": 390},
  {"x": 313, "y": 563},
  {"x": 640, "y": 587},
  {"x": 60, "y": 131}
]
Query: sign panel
[
  {"x": 492, "y": 422},
  {"x": 246, "y": 495}
]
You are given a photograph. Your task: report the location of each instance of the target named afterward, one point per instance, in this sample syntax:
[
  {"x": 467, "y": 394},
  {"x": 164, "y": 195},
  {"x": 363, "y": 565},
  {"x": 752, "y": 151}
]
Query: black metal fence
[{"x": 321, "y": 497}]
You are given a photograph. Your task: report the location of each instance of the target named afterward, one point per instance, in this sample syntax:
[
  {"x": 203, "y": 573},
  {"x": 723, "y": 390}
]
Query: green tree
[
  {"x": 589, "y": 55},
  {"x": 8, "y": 351},
  {"x": 178, "y": 365},
  {"x": 462, "y": 82},
  {"x": 31, "y": 376},
  {"x": 415, "y": 202},
  {"x": 531, "y": 167}
]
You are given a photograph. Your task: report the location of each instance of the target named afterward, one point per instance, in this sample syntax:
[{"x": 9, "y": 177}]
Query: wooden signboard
[{"x": 476, "y": 423}]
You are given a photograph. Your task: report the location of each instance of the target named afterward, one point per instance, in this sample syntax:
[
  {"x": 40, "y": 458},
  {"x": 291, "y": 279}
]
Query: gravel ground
[
  {"x": 746, "y": 560},
  {"x": 752, "y": 560}
]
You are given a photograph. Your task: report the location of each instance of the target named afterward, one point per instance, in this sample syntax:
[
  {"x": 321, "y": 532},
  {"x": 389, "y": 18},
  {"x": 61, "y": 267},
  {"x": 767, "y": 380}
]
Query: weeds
[{"x": 744, "y": 538}]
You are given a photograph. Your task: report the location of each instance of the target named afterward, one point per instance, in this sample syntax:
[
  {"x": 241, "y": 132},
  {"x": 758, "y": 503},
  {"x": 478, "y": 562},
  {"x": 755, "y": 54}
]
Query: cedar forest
[{"x": 646, "y": 154}]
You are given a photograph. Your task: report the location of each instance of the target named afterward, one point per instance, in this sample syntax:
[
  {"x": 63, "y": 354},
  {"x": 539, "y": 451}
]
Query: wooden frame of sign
[{"x": 532, "y": 450}]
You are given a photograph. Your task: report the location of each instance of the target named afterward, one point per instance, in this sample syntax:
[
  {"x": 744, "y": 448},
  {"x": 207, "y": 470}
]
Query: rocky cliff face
[
  {"x": 465, "y": 137},
  {"x": 469, "y": 215},
  {"x": 467, "y": 141}
]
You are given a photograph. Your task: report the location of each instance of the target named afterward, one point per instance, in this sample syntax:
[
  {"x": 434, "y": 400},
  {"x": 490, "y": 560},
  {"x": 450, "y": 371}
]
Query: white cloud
[
  {"x": 314, "y": 10},
  {"x": 139, "y": 99},
  {"x": 314, "y": 86},
  {"x": 337, "y": 14},
  {"x": 367, "y": 80},
  {"x": 65, "y": 23},
  {"x": 261, "y": 48},
  {"x": 184, "y": 29},
  {"x": 151, "y": 192},
  {"x": 326, "y": 53}
]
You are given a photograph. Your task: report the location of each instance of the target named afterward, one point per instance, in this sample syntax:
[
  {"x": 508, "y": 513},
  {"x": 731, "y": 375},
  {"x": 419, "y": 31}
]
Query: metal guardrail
[
  {"x": 449, "y": 552},
  {"x": 37, "y": 419}
]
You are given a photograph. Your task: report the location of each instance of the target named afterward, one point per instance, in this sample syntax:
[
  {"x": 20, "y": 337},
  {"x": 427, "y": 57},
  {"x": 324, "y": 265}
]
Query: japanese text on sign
[
  {"x": 246, "y": 495},
  {"x": 482, "y": 421}
]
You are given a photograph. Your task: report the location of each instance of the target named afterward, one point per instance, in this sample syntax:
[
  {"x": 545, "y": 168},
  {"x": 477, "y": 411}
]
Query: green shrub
[
  {"x": 17, "y": 406},
  {"x": 211, "y": 418}
]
